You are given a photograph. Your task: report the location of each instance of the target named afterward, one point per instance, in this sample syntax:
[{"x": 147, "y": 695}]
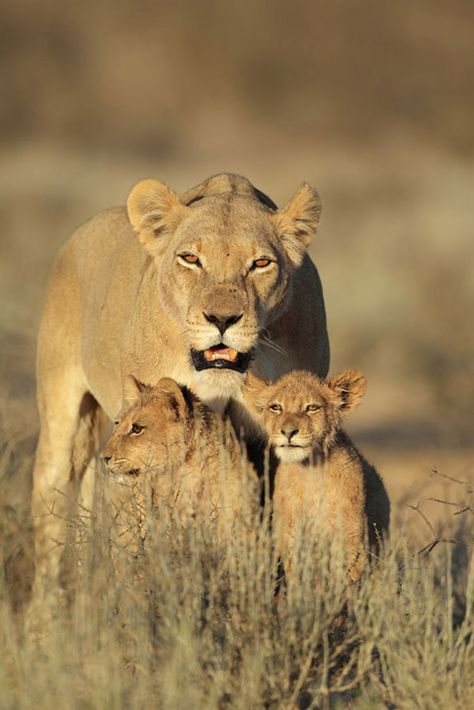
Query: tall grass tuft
[{"x": 174, "y": 615}]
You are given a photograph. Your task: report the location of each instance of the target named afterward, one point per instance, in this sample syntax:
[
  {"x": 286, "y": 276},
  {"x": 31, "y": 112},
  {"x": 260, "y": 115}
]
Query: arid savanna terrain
[{"x": 372, "y": 103}]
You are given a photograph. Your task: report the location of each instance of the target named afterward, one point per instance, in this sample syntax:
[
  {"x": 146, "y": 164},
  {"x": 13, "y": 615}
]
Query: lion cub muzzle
[{"x": 118, "y": 467}]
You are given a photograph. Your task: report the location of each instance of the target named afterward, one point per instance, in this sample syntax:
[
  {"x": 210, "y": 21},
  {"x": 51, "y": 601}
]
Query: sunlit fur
[
  {"x": 324, "y": 488},
  {"x": 190, "y": 457},
  {"x": 121, "y": 299}
]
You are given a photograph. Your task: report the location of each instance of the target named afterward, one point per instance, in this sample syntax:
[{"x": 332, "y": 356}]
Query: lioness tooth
[{"x": 223, "y": 354}]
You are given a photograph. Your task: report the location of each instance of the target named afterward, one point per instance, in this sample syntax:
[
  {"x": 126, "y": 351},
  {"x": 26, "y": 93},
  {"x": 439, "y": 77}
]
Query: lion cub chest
[{"x": 312, "y": 502}]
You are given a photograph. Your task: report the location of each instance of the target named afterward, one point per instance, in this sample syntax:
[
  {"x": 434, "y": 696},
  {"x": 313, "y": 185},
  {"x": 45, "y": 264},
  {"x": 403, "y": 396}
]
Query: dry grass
[
  {"x": 372, "y": 104},
  {"x": 186, "y": 620}
]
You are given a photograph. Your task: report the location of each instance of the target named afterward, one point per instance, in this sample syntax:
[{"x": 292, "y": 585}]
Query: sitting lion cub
[
  {"x": 192, "y": 460},
  {"x": 323, "y": 486}
]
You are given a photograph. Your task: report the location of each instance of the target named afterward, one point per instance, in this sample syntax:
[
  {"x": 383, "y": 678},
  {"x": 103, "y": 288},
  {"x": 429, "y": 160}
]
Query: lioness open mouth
[{"x": 221, "y": 357}]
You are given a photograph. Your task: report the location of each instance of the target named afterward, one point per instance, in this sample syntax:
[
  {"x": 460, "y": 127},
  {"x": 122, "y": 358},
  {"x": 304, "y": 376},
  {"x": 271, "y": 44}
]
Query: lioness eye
[
  {"x": 136, "y": 428},
  {"x": 275, "y": 408},
  {"x": 313, "y": 407},
  {"x": 261, "y": 263},
  {"x": 190, "y": 259}
]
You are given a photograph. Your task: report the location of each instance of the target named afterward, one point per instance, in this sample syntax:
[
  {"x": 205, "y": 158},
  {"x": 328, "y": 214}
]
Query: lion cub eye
[
  {"x": 261, "y": 263},
  {"x": 190, "y": 259},
  {"x": 136, "y": 428},
  {"x": 313, "y": 407},
  {"x": 275, "y": 408}
]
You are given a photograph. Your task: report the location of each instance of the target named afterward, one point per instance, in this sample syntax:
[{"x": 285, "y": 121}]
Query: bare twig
[
  {"x": 466, "y": 509},
  {"x": 418, "y": 510},
  {"x": 454, "y": 504},
  {"x": 435, "y": 472}
]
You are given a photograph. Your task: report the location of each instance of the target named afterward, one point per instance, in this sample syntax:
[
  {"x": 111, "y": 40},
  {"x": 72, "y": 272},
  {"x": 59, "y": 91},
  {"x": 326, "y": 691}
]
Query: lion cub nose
[
  {"x": 289, "y": 432},
  {"x": 222, "y": 322}
]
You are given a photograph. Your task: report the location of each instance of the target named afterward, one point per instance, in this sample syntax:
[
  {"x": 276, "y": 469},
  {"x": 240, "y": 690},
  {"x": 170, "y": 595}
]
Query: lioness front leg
[{"x": 64, "y": 452}]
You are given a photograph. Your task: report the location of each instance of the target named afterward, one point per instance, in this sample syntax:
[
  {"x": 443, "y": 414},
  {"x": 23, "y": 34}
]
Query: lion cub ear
[
  {"x": 133, "y": 389},
  {"x": 154, "y": 211},
  {"x": 297, "y": 221},
  {"x": 349, "y": 387},
  {"x": 174, "y": 396},
  {"x": 255, "y": 392}
]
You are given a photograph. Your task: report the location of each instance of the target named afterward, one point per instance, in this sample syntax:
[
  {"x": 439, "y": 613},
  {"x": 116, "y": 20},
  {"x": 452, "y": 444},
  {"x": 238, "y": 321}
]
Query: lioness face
[
  {"x": 225, "y": 265},
  {"x": 150, "y": 434},
  {"x": 301, "y": 413},
  {"x": 224, "y": 278}
]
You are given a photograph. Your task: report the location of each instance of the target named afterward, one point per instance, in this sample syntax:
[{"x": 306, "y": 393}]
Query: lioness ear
[
  {"x": 349, "y": 387},
  {"x": 255, "y": 392},
  {"x": 154, "y": 211},
  {"x": 174, "y": 395},
  {"x": 297, "y": 221},
  {"x": 133, "y": 389}
]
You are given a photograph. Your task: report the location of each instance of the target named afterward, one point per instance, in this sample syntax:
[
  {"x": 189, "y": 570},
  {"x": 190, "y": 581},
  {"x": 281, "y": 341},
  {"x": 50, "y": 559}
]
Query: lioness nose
[
  {"x": 289, "y": 432},
  {"x": 222, "y": 322}
]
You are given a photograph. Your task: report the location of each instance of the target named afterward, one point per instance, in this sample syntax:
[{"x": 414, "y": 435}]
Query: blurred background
[{"x": 370, "y": 101}]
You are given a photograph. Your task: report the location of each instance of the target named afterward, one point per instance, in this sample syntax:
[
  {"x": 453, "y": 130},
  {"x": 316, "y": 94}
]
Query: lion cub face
[
  {"x": 150, "y": 434},
  {"x": 301, "y": 413}
]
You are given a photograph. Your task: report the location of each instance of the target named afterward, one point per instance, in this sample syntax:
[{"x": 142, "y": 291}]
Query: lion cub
[
  {"x": 324, "y": 488},
  {"x": 192, "y": 460}
]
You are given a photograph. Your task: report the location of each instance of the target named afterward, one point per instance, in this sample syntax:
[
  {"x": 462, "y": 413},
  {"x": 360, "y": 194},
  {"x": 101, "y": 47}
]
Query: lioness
[
  {"x": 324, "y": 488},
  {"x": 194, "y": 288},
  {"x": 192, "y": 460}
]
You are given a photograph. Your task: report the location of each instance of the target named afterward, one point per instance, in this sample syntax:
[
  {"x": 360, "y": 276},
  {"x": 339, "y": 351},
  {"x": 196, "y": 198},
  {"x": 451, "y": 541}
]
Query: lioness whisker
[{"x": 263, "y": 340}]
